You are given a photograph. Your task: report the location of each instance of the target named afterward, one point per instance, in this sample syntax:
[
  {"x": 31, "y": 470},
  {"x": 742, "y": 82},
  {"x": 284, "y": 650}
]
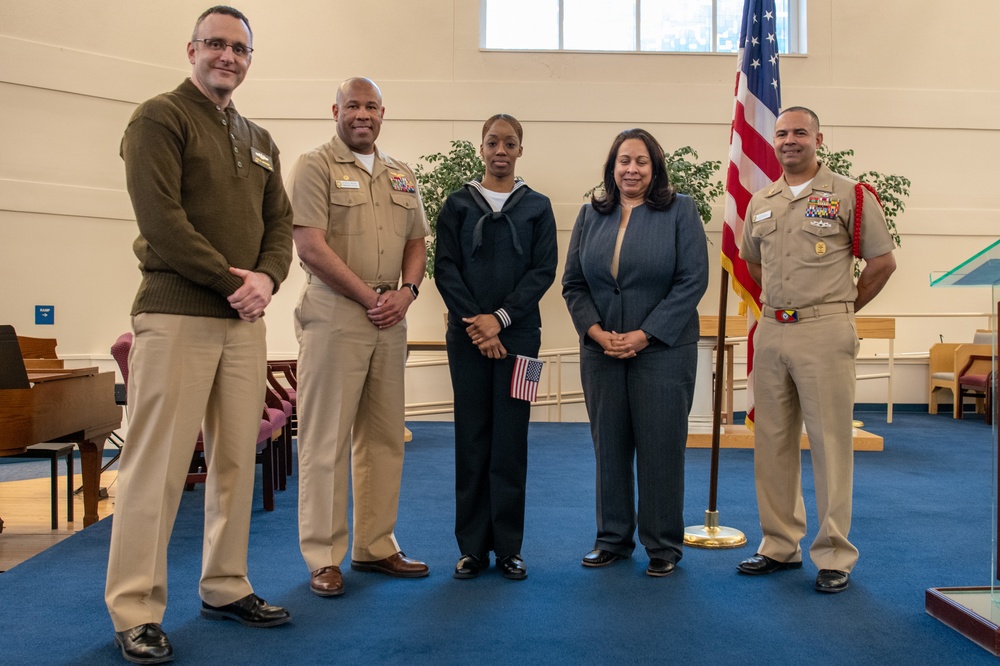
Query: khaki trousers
[
  {"x": 182, "y": 369},
  {"x": 350, "y": 407},
  {"x": 805, "y": 371}
]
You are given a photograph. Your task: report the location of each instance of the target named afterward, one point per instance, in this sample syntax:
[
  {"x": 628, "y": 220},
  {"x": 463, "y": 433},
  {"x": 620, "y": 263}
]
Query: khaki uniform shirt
[
  {"x": 804, "y": 243},
  {"x": 368, "y": 218}
]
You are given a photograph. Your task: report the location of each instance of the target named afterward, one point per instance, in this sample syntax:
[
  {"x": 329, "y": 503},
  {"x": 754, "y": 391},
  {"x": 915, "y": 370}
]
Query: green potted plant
[
  {"x": 446, "y": 173},
  {"x": 892, "y": 189}
]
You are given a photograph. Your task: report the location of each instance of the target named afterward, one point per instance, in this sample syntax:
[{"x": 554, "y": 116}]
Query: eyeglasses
[{"x": 239, "y": 50}]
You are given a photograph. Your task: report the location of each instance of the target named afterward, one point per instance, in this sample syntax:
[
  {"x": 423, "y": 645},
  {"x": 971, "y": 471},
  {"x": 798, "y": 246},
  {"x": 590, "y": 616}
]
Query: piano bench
[{"x": 54, "y": 451}]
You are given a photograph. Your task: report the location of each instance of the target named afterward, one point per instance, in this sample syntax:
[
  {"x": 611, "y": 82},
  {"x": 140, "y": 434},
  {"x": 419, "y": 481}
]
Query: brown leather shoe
[
  {"x": 327, "y": 582},
  {"x": 397, "y": 564}
]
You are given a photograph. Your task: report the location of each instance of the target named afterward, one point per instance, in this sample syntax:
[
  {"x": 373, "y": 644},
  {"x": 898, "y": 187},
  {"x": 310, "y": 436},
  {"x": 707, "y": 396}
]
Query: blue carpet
[{"x": 922, "y": 519}]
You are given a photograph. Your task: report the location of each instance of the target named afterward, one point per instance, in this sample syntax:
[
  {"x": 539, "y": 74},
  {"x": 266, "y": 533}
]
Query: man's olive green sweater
[{"x": 206, "y": 188}]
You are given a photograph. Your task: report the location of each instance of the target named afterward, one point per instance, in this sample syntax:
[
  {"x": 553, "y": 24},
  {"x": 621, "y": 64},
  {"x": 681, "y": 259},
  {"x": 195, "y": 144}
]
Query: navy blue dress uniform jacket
[
  {"x": 662, "y": 274},
  {"x": 475, "y": 281}
]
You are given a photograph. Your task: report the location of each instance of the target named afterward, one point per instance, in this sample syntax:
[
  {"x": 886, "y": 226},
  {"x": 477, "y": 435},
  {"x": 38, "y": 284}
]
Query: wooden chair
[
  {"x": 281, "y": 376},
  {"x": 975, "y": 380},
  {"x": 278, "y": 412},
  {"x": 947, "y": 359}
]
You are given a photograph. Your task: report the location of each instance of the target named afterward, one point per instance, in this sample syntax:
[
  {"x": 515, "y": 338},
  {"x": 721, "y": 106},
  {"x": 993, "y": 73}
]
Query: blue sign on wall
[{"x": 45, "y": 315}]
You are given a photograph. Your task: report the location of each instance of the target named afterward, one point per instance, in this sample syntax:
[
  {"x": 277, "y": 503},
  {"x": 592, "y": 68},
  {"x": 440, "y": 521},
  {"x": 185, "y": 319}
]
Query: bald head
[
  {"x": 357, "y": 84},
  {"x": 359, "y": 114}
]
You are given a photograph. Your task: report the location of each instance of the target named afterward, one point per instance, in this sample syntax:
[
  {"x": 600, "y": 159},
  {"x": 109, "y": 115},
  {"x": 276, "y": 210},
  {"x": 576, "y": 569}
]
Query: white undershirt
[
  {"x": 367, "y": 161},
  {"x": 797, "y": 189},
  {"x": 495, "y": 199}
]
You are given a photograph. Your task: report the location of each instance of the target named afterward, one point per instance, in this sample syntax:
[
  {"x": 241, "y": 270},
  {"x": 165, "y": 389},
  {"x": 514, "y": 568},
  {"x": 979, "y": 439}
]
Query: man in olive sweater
[{"x": 215, "y": 242}]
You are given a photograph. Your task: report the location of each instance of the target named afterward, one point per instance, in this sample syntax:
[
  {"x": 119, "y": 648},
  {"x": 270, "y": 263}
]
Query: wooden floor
[
  {"x": 25, "y": 508},
  {"x": 740, "y": 437}
]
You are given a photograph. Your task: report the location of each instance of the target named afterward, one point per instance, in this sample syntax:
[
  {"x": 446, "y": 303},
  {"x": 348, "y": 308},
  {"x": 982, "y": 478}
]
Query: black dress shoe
[
  {"x": 251, "y": 610},
  {"x": 512, "y": 567},
  {"x": 601, "y": 558},
  {"x": 759, "y": 565},
  {"x": 470, "y": 566},
  {"x": 831, "y": 580},
  {"x": 144, "y": 644},
  {"x": 659, "y": 567}
]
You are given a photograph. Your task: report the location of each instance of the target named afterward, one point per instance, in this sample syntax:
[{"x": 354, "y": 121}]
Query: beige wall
[{"x": 885, "y": 77}]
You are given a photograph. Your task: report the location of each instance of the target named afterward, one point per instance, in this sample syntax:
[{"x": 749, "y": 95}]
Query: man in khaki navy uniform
[
  {"x": 797, "y": 242},
  {"x": 359, "y": 227}
]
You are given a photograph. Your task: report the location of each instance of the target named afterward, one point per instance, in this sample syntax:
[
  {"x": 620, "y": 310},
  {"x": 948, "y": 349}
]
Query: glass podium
[{"x": 975, "y": 611}]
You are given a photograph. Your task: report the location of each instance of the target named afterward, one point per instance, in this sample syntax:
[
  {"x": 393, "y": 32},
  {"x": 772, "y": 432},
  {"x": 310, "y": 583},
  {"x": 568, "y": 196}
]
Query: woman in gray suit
[{"x": 636, "y": 269}]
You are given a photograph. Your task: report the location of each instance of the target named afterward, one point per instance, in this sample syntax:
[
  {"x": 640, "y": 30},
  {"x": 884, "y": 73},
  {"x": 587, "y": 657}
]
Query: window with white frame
[{"x": 672, "y": 26}]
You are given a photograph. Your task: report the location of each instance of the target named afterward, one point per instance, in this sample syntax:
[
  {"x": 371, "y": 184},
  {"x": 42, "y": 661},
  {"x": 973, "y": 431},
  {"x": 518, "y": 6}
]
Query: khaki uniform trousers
[
  {"x": 805, "y": 371},
  {"x": 351, "y": 402},
  {"x": 182, "y": 369}
]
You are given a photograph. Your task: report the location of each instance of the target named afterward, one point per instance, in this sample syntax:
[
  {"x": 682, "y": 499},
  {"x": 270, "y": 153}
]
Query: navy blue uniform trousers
[{"x": 491, "y": 443}]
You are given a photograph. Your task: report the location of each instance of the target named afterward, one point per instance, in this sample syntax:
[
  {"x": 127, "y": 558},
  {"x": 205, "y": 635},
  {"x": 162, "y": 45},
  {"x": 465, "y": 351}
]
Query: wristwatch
[{"x": 413, "y": 289}]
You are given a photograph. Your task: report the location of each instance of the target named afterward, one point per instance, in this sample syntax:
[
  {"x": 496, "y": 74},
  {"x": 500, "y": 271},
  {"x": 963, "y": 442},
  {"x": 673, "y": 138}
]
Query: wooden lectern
[{"x": 975, "y": 611}]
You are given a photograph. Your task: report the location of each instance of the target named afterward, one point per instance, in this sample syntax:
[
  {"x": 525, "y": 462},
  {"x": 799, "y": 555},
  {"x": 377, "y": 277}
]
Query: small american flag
[{"x": 524, "y": 382}]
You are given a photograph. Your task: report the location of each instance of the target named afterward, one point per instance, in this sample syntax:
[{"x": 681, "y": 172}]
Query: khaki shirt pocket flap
[
  {"x": 405, "y": 200},
  {"x": 763, "y": 228},
  {"x": 346, "y": 198}
]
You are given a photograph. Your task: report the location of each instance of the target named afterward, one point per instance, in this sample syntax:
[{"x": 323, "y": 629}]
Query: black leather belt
[{"x": 384, "y": 287}]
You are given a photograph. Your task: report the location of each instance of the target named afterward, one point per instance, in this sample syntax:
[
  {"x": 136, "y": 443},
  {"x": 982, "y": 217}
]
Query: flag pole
[{"x": 711, "y": 535}]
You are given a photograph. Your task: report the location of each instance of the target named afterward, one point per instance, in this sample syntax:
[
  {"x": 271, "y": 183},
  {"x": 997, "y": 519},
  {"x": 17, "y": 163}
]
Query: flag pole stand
[{"x": 711, "y": 535}]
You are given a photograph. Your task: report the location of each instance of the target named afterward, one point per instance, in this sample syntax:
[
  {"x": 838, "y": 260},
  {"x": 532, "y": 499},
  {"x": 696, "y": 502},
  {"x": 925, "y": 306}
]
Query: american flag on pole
[
  {"x": 752, "y": 163},
  {"x": 524, "y": 382}
]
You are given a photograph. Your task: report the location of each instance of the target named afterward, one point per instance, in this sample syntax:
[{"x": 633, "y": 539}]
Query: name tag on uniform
[
  {"x": 261, "y": 159},
  {"x": 762, "y": 216},
  {"x": 348, "y": 185}
]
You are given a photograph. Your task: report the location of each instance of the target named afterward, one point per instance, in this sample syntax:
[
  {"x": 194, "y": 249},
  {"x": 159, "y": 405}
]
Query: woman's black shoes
[
  {"x": 601, "y": 558},
  {"x": 659, "y": 567},
  {"x": 470, "y": 566},
  {"x": 512, "y": 567}
]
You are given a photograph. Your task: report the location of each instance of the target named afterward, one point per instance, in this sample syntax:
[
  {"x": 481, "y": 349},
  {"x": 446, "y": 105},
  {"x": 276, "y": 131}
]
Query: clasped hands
[
  {"x": 619, "y": 345},
  {"x": 390, "y": 308},
  {"x": 253, "y": 296},
  {"x": 484, "y": 331}
]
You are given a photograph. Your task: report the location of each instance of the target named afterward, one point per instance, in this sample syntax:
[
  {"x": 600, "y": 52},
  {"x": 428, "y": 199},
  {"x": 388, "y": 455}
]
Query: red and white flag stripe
[{"x": 752, "y": 163}]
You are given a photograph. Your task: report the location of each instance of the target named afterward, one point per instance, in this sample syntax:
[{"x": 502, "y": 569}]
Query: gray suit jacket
[{"x": 662, "y": 273}]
